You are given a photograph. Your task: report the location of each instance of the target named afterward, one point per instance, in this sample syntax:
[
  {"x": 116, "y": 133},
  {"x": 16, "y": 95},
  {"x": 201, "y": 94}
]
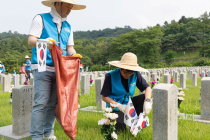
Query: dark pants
[
  {"x": 138, "y": 102},
  {"x": 28, "y": 74}
]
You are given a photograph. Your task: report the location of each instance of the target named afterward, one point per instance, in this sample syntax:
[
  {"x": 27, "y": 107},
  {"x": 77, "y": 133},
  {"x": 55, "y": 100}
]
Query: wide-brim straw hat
[
  {"x": 129, "y": 62},
  {"x": 0, "y": 61},
  {"x": 50, "y": 3},
  {"x": 27, "y": 56}
]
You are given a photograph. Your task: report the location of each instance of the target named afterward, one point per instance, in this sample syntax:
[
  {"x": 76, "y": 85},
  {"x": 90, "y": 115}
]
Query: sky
[{"x": 17, "y": 15}]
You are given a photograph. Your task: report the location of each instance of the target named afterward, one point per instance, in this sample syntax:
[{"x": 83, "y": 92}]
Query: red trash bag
[
  {"x": 67, "y": 80},
  {"x": 22, "y": 70}
]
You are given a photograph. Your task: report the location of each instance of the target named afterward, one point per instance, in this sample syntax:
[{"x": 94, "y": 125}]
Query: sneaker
[{"x": 50, "y": 138}]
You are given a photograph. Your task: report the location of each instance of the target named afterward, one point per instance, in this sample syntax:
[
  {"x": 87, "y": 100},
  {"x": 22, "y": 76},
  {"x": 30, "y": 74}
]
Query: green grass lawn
[
  {"x": 189, "y": 54},
  {"x": 88, "y": 128}
]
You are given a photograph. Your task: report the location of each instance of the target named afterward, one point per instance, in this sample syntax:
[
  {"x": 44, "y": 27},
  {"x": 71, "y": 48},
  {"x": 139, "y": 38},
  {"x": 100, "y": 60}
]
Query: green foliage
[{"x": 169, "y": 56}]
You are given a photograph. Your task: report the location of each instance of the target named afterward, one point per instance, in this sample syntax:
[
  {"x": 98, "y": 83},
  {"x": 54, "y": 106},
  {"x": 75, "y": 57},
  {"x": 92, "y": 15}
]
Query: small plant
[
  {"x": 153, "y": 83},
  {"x": 26, "y": 82},
  {"x": 108, "y": 127},
  {"x": 161, "y": 74},
  {"x": 200, "y": 74},
  {"x": 206, "y": 75},
  {"x": 172, "y": 80}
]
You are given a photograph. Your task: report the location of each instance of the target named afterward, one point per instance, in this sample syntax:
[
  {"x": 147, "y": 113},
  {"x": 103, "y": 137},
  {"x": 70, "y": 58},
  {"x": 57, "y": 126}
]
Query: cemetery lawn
[{"x": 88, "y": 128}]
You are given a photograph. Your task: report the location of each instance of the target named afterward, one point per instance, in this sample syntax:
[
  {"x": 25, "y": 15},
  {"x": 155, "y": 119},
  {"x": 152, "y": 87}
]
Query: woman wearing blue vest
[
  {"x": 27, "y": 67},
  {"x": 2, "y": 68},
  {"x": 49, "y": 26},
  {"x": 119, "y": 84}
]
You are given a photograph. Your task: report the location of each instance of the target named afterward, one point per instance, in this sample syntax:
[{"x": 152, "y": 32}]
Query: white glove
[
  {"x": 121, "y": 107},
  {"x": 147, "y": 107},
  {"x": 49, "y": 43}
]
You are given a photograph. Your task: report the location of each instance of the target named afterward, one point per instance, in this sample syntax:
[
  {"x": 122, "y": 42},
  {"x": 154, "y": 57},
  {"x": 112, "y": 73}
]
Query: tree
[
  {"x": 169, "y": 56},
  {"x": 202, "y": 24}
]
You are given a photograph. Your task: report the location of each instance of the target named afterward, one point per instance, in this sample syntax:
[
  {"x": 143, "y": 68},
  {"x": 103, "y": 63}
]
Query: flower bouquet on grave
[
  {"x": 161, "y": 74},
  {"x": 200, "y": 74},
  {"x": 180, "y": 96},
  {"x": 26, "y": 82},
  {"x": 206, "y": 74},
  {"x": 169, "y": 72},
  {"x": 108, "y": 125},
  {"x": 152, "y": 83},
  {"x": 91, "y": 81},
  {"x": 172, "y": 80}
]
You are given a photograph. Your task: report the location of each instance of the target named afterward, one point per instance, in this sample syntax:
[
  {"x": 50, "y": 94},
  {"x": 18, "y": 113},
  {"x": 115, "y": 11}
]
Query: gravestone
[
  {"x": 16, "y": 80},
  {"x": 154, "y": 76},
  {"x": 22, "y": 103},
  {"x": 32, "y": 81},
  {"x": 22, "y": 79},
  {"x": 148, "y": 76},
  {"x": 98, "y": 86},
  {"x": 85, "y": 84},
  {"x": 202, "y": 74},
  {"x": 205, "y": 98},
  {"x": 6, "y": 86},
  {"x": 208, "y": 73},
  {"x": 165, "y": 112},
  {"x": 1, "y": 78},
  {"x": 176, "y": 76},
  {"x": 194, "y": 79},
  {"x": 167, "y": 79},
  {"x": 182, "y": 80}
]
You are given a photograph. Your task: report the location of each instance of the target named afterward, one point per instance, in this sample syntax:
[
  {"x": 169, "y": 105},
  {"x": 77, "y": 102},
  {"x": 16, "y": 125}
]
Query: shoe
[{"x": 50, "y": 138}]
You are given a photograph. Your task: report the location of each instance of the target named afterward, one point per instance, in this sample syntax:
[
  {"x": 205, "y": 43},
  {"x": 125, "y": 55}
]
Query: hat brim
[
  {"x": 75, "y": 7},
  {"x": 133, "y": 68}
]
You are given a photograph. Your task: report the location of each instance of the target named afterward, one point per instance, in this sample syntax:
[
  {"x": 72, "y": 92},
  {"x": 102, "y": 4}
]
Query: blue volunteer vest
[
  {"x": 50, "y": 30},
  {"x": 27, "y": 67},
  {"x": 3, "y": 70},
  {"x": 118, "y": 93}
]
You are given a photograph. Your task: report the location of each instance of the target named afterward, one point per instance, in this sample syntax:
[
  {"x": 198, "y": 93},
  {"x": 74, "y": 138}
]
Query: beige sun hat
[
  {"x": 129, "y": 62},
  {"x": 50, "y": 3},
  {"x": 27, "y": 56}
]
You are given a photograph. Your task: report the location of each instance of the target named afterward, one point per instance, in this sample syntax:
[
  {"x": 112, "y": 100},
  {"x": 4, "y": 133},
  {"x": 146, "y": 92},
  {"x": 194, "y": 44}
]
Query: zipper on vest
[{"x": 59, "y": 33}]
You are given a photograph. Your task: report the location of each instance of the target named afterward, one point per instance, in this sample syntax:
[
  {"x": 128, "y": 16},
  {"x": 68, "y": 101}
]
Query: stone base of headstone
[
  {"x": 91, "y": 109},
  {"x": 6, "y": 133},
  {"x": 191, "y": 117}
]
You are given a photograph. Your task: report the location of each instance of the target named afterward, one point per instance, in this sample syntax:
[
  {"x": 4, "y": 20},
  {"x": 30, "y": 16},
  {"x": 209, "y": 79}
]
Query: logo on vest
[
  {"x": 132, "y": 84},
  {"x": 67, "y": 30}
]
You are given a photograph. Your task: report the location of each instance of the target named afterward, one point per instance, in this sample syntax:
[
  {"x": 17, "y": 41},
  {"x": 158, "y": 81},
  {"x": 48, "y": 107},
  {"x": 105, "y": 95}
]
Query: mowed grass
[{"x": 88, "y": 128}]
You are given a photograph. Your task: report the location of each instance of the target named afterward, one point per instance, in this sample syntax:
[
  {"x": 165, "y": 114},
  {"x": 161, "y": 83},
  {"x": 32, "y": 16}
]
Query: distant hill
[{"x": 102, "y": 33}]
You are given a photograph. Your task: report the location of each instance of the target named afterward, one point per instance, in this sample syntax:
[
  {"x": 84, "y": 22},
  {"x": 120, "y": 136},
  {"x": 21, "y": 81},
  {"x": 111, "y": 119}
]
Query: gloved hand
[
  {"x": 121, "y": 107},
  {"x": 50, "y": 43},
  {"x": 147, "y": 107},
  {"x": 77, "y": 55}
]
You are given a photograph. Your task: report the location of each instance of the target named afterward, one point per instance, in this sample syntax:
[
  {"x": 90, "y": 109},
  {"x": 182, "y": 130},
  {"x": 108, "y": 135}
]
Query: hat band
[{"x": 129, "y": 64}]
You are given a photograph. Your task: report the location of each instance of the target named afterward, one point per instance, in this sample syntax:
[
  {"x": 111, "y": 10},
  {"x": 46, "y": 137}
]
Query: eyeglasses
[{"x": 127, "y": 72}]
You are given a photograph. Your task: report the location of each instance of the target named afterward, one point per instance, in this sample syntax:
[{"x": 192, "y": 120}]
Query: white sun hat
[
  {"x": 129, "y": 62},
  {"x": 50, "y": 3},
  {"x": 27, "y": 56}
]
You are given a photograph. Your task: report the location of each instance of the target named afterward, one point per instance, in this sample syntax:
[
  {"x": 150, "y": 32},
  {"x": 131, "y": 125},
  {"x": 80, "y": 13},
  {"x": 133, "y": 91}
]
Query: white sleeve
[
  {"x": 36, "y": 26},
  {"x": 71, "y": 40}
]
